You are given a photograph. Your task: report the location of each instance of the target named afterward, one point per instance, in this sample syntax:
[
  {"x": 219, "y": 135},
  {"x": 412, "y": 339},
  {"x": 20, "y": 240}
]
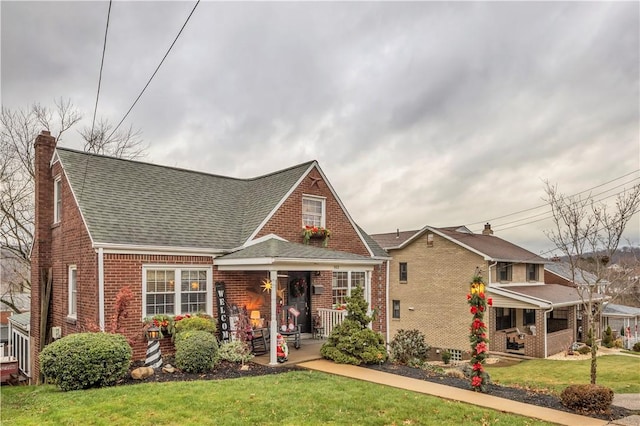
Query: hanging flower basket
[{"x": 309, "y": 232}]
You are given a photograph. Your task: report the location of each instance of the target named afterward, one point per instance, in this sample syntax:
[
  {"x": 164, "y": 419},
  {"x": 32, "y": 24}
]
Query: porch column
[{"x": 273, "y": 329}]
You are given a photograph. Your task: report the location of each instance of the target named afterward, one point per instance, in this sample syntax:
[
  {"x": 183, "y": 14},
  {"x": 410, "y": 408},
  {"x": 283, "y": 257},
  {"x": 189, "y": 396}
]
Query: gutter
[
  {"x": 101, "y": 288},
  {"x": 546, "y": 335}
]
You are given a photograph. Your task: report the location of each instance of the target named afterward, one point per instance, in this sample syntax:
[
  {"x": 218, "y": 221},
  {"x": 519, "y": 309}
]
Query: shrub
[
  {"x": 196, "y": 351},
  {"x": 85, "y": 360},
  {"x": 352, "y": 342},
  {"x": 636, "y": 347},
  {"x": 236, "y": 351},
  {"x": 446, "y": 356},
  {"x": 587, "y": 398},
  {"x": 583, "y": 350},
  {"x": 196, "y": 323},
  {"x": 618, "y": 343},
  {"x": 409, "y": 347},
  {"x": 607, "y": 339}
]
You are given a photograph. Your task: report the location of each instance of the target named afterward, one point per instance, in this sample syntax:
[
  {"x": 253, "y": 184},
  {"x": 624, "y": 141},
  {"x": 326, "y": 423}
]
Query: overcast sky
[{"x": 419, "y": 114}]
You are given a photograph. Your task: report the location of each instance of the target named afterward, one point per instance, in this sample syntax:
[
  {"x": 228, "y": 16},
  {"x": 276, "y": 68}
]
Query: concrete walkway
[{"x": 455, "y": 394}]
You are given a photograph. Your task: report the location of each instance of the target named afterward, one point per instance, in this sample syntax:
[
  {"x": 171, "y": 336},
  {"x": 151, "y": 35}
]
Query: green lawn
[
  {"x": 620, "y": 373},
  {"x": 295, "y": 398}
]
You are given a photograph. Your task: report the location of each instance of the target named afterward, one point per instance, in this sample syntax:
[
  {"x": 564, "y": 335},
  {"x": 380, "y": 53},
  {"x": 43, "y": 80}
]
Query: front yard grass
[
  {"x": 618, "y": 372},
  {"x": 295, "y": 398}
]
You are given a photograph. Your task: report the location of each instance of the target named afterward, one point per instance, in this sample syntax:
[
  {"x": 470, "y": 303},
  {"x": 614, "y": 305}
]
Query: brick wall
[{"x": 433, "y": 300}]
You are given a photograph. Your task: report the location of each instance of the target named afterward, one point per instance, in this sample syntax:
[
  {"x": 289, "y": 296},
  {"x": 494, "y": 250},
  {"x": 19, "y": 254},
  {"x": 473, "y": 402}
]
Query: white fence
[
  {"x": 19, "y": 348},
  {"x": 329, "y": 318}
]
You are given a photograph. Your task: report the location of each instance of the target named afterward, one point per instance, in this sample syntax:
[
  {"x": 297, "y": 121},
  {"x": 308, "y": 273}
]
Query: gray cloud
[{"x": 419, "y": 113}]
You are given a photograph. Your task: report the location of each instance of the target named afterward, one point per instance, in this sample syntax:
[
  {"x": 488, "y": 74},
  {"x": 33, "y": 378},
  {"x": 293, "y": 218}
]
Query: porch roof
[
  {"x": 292, "y": 256},
  {"x": 613, "y": 310},
  {"x": 543, "y": 296}
]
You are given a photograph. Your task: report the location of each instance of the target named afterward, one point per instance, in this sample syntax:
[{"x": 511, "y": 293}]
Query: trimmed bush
[
  {"x": 409, "y": 347},
  {"x": 86, "y": 360},
  {"x": 196, "y": 351},
  {"x": 196, "y": 323},
  {"x": 587, "y": 398},
  {"x": 446, "y": 357},
  {"x": 236, "y": 351},
  {"x": 607, "y": 339},
  {"x": 636, "y": 347},
  {"x": 583, "y": 350},
  {"x": 352, "y": 342}
]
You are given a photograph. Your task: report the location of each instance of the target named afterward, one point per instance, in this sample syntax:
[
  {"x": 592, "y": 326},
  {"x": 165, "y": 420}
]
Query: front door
[{"x": 298, "y": 297}]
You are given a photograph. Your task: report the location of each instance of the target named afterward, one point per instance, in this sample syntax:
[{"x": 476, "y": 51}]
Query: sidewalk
[{"x": 455, "y": 394}]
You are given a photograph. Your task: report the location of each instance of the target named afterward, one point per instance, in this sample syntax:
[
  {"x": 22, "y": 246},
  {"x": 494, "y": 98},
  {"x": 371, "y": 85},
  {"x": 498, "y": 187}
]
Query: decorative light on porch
[
  {"x": 266, "y": 285},
  {"x": 153, "y": 333}
]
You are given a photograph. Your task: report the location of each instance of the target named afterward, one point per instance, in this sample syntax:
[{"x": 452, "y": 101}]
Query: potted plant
[{"x": 309, "y": 232}]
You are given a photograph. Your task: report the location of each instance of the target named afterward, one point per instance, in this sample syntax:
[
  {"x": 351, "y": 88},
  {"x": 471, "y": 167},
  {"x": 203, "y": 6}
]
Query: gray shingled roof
[
  {"x": 134, "y": 203},
  {"x": 612, "y": 310},
  {"x": 373, "y": 244},
  {"x": 275, "y": 248},
  {"x": 563, "y": 270},
  {"x": 558, "y": 295},
  {"x": 491, "y": 246}
]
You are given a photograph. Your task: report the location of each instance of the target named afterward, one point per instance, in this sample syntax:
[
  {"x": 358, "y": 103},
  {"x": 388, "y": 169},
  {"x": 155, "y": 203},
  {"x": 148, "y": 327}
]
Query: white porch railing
[
  {"x": 628, "y": 342},
  {"x": 19, "y": 348},
  {"x": 329, "y": 318}
]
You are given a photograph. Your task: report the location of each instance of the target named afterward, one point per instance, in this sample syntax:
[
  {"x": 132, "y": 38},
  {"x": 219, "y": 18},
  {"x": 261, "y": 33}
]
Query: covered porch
[
  {"x": 624, "y": 319},
  {"x": 534, "y": 320},
  {"x": 302, "y": 286}
]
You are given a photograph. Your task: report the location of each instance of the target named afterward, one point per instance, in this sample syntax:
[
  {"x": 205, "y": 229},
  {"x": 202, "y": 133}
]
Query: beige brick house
[{"x": 429, "y": 277}]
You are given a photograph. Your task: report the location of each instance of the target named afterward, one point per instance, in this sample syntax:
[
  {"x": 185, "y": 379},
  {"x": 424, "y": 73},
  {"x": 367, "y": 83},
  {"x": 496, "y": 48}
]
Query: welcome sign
[{"x": 223, "y": 316}]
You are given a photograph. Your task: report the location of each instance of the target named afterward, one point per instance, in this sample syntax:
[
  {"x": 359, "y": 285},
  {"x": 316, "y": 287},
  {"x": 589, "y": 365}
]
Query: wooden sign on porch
[
  {"x": 223, "y": 315},
  {"x": 293, "y": 311}
]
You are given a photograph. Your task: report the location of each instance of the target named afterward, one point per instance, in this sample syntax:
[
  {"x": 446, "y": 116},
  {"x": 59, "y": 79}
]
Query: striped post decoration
[{"x": 154, "y": 357}]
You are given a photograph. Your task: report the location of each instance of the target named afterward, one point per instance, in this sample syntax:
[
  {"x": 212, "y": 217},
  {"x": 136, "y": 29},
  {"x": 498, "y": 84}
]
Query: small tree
[
  {"x": 352, "y": 341},
  {"x": 588, "y": 235}
]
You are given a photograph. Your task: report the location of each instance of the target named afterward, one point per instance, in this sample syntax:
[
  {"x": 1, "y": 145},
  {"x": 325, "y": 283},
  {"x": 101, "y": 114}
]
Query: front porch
[{"x": 309, "y": 351}]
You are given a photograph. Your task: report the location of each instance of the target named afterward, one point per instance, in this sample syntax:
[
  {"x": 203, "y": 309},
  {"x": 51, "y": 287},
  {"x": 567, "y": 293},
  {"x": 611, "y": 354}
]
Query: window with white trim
[
  {"x": 343, "y": 283},
  {"x": 313, "y": 211},
  {"x": 163, "y": 296},
  {"x": 57, "y": 200},
  {"x": 73, "y": 291},
  {"x": 396, "y": 309}
]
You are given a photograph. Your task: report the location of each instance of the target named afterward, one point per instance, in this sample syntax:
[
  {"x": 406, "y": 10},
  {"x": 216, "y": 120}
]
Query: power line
[
  {"x": 104, "y": 48},
  {"x": 546, "y": 204},
  {"x": 157, "y": 68}
]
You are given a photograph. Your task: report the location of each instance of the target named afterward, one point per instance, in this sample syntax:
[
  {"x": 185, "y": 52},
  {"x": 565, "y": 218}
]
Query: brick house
[
  {"x": 183, "y": 241},
  {"x": 429, "y": 277}
]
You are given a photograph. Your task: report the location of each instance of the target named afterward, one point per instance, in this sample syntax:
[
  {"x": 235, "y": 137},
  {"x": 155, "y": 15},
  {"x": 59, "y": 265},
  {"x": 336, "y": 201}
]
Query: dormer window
[{"x": 313, "y": 211}]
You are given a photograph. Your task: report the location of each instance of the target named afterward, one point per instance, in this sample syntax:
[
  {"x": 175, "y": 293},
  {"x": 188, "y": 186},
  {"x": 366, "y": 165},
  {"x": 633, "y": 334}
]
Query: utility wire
[
  {"x": 104, "y": 48},
  {"x": 546, "y": 204},
  {"x": 154, "y": 73}
]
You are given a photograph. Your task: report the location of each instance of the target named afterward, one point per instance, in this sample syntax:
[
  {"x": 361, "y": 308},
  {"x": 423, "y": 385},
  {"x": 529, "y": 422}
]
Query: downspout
[
  {"x": 101, "y": 288},
  {"x": 387, "y": 304},
  {"x": 546, "y": 335}
]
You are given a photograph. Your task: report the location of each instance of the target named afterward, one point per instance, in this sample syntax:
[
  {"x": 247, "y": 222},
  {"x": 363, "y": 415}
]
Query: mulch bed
[
  {"x": 526, "y": 396},
  {"x": 228, "y": 370}
]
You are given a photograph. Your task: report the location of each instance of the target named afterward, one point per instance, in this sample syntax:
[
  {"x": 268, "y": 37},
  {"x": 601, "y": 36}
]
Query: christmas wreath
[{"x": 298, "y": 287}]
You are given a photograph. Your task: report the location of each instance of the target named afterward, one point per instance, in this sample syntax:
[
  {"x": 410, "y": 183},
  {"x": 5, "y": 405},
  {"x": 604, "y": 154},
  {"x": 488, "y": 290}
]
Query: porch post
[{"x": 273, "y": 329}]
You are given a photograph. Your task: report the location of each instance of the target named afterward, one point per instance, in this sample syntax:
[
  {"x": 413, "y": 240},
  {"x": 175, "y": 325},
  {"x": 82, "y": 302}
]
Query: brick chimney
[
  {"x": 44, "y": 145},
  {"x": 487, "y": 229}
]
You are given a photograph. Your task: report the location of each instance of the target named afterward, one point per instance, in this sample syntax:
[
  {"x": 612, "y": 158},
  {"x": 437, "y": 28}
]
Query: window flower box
[{"x": 316, "y": 232}]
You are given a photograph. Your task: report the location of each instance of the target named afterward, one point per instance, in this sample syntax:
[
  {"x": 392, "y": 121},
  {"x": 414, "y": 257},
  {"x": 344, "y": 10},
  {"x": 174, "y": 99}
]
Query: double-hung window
[
  {"x": 532, "y": 272},
  {"x": 177, "y": 290},
  {"x": 396, "y": 309},
  {"x": 313, "y": 211},
  {"x": 73, "y": 291},
  {"x": 404, "y": 272},
  {"x": 505, "y": 270},
  {"x": 57, "y": 200},
  {"x": 343, "y": 283}
]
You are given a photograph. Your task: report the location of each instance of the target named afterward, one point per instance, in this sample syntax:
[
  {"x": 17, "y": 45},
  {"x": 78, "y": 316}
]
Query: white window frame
[
  {"x": 57, "y": 199},
  {"x": 72, "y": 307},
  {"x": 178, "y": 269},
  {"x": 367, "y": 284},
  {"x": 323, "y": 214}
]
